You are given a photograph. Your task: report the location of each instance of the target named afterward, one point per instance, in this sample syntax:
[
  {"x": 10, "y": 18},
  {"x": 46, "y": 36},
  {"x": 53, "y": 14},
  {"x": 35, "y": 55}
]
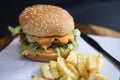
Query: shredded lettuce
[
  {"x": 77, "y": 33},
  {"x": 58, "y": 51},
  {"x": 34, "y": 52},
  {"x": 13, "y": 30},
  {"x": 66, "y": 47},
  {"x": 70, "y": 46},
  {"x": 36, "y": 49},
  {"x": 23, "y": 49}
]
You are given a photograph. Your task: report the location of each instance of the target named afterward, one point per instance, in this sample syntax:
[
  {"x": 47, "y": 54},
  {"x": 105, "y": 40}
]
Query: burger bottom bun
[{"x": 43, "y": 57}]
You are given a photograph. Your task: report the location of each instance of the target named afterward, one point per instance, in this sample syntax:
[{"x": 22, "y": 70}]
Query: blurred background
[{"x": 99, "y": 12}]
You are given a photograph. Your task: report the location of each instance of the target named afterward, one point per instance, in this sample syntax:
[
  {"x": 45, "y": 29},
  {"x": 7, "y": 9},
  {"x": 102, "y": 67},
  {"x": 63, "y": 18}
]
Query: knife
[{"x": 95, "y": 45}]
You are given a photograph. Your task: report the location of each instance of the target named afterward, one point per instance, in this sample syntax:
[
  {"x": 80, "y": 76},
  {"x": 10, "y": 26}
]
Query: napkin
[{"x": 13, "y": 66}]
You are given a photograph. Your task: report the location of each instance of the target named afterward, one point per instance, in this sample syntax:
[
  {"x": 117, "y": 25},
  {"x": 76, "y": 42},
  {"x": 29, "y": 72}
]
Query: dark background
[{"x": 100, "y": 12}]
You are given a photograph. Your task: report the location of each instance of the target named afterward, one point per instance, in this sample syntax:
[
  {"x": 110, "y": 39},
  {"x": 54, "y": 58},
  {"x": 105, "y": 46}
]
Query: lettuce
[
  {"x": 58, "y": 51},
  {"x": 36, "y": 49},
  {"x": 64, "y": 48},
  {"x": 24, "y": 48},
  {"x": 77, "y": 33},
  {"x": 33, "y": 46},
  {"x": 68, "y": 46},
  {"x": 13, "y": 30}
]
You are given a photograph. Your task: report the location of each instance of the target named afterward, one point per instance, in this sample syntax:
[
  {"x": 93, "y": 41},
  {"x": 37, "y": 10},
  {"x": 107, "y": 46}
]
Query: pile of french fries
[{"x": 75, "y": 67}]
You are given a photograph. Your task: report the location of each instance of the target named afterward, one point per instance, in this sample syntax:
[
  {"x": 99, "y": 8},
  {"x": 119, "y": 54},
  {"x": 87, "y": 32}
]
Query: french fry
[
  {"x": 95, "y": 63},
  {"x": 82, "y": 78},
  {"x": 91, "y": 63},
  {"x": 73, "y": 69},
  {"x": 72, "y": 58},
  {"x": 46, "y": 71},
  {"x": 100, "y": 77},
  {"x": 54, "y": 70},
  {"x": 96, "y": 77},
  {"x": 66, "y": 77},
  {"x": 100, "y": 63},
  {"x": 82, "y": 65},
  {"x": 63, "y": 68},
  {"x": 38, "y": 79}
]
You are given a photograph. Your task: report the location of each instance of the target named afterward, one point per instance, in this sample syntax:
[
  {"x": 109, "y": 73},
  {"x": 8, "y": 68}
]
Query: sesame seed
[
  {"x": 34, "y": 12},
  {"x": 56, "y": 24},
  {"x": 44, "y": 27},
  {"x": 31, "y": 21},
  {"x": 56, "y": 20},
  {"x": 26, "y": 17},
  {"x": 36, "y": 24}
]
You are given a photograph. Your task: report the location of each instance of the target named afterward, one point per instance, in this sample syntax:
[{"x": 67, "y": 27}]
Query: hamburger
[{"x": 47, "y": 32}]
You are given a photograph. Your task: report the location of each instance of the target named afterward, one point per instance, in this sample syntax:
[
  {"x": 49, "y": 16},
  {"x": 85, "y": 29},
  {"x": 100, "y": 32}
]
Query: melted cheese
[{"x": 47, "y": 41}]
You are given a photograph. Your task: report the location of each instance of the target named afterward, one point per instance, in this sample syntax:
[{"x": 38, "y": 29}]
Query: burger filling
[{"x": 49, "y": 45}]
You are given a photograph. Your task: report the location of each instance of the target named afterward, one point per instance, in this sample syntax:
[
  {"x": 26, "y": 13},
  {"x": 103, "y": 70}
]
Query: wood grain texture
[
  {"x": 97, "y": 30},
  {"x": 5, "y": 41},
  {"x": 84, "y": 28}
]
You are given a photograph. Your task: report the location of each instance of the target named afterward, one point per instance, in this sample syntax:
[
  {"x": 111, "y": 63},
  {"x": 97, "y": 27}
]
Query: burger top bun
[{"x": 46, "y": 20}]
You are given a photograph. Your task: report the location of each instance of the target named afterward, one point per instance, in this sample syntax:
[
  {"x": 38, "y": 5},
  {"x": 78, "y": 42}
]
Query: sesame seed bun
[{"x": 46, "y": 20}]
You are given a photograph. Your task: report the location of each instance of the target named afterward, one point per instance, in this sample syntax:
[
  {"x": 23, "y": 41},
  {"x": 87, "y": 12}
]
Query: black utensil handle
[
  {"x": 114, "y": 61},
  {"x": 94, "y": 44}
]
